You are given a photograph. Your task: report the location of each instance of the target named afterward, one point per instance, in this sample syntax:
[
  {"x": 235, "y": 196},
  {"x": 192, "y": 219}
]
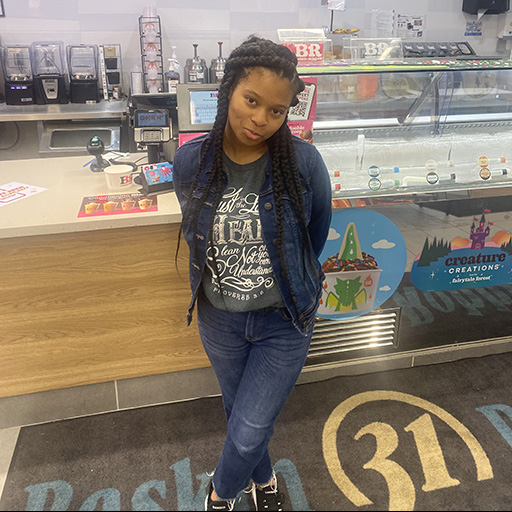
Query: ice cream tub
[
  {"x": 352, "y": 278},
  {"x": 349, "y": 291}
]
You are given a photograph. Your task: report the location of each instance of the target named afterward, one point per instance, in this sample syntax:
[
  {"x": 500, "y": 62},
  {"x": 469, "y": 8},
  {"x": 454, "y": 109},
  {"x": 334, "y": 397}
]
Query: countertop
[{"x": 67, "y": 181}]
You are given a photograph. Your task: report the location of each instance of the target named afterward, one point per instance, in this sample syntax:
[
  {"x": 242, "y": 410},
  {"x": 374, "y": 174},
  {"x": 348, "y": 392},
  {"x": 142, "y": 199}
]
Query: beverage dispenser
[
  {"x": 49, "y": 72},
  {"x": 19, "y": 83},
  {"x": 83, "y": 73}
]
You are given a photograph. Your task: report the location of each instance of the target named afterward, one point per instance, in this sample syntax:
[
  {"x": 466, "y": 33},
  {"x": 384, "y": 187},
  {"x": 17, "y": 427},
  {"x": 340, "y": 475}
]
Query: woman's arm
[{"x": 321, "y": 210}]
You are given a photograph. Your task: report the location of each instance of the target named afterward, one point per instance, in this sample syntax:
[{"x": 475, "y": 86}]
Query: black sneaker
[
  {"x": 209, "y": 504},
  {"x": 268, "y": 498}
]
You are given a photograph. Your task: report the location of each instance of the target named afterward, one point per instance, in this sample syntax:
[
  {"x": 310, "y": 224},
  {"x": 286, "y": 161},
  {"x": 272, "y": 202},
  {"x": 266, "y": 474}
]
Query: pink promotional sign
[
  {"x": 117, "y": 204},
  {"x": 186, "y": 136}
]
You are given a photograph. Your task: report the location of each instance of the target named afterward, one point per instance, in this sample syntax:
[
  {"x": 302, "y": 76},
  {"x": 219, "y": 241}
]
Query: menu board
[{"x": 203, "y": 106}]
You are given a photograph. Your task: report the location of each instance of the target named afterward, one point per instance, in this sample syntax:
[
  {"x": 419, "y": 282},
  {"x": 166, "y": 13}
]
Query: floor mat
[{"x": 428, "y": 438}]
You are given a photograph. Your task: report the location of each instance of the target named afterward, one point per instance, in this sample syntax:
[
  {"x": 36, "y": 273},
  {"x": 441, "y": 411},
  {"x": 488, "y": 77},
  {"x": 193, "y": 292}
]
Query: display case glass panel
[{"x": 408, "y": 129}]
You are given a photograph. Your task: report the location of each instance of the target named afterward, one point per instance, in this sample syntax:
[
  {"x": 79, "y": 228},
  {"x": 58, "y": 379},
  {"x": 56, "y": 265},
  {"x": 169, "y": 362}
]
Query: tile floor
[{"x": 415, "y": 224}]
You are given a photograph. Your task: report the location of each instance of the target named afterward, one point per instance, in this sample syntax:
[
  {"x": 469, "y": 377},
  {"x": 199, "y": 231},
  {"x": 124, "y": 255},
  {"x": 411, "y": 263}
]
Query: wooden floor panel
[{"x": 88, "y": 307}]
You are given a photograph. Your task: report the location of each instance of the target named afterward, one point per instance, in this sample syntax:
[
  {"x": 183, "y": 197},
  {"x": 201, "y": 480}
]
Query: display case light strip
[{"x": 424, "y": 120}]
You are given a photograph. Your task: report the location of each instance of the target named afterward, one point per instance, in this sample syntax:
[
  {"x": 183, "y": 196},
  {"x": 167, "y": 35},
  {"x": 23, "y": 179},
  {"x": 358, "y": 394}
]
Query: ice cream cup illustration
[
  {"x": 109, "y": 207},
  {"x": 145, "y": 204},
  {"x": 352, "y": 278},
  {"x": 128, "y": 204},
  {"x": 91, "y": 208}
]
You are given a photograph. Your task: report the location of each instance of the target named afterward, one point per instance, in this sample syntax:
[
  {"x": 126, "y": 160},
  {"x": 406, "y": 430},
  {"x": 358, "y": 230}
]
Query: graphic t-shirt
[{"x": 242, "y": 263}]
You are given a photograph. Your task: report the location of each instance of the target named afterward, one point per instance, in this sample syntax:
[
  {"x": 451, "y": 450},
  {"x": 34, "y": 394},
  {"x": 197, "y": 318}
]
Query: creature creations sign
[{"x": 483, "y": 258}]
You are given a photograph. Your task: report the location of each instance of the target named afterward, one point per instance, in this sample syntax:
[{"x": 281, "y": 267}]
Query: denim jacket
[{"x": 306, "y": 287}]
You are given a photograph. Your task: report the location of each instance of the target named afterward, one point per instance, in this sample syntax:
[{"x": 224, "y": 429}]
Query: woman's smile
[{"x": 252, "y": 135}]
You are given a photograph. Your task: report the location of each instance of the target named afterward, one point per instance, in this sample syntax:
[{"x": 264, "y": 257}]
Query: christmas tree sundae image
[{"x": 352, "y": 277}]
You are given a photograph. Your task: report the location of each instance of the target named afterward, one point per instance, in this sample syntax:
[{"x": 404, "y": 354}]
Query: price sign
[
  {"x": 307, "y": 53},
  {"x": 375, "y": 49}
]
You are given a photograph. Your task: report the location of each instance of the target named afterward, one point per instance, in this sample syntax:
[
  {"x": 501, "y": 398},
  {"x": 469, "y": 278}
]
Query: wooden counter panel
[{"x": 95, "y": 306}]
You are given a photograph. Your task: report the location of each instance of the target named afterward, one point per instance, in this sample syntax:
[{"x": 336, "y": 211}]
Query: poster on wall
[
  {"x": 482, "y": 258},
  {"x": 301, "y": 116},
  {"x": 473, "y": 28},
  {"x": 364, "y": 261},
  {"x": 408, "y": 26}
]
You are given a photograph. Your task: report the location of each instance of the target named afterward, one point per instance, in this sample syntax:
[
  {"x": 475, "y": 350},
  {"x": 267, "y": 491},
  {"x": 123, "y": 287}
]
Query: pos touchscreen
[{"x": 197, "y": 106}]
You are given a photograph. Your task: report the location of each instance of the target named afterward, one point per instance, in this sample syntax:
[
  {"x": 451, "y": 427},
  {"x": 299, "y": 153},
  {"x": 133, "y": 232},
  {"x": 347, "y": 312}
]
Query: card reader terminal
[{"x": 151, "y": 126}]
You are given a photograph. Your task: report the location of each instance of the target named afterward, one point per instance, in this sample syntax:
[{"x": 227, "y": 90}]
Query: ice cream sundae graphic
[{"x": 352, "y": 278}]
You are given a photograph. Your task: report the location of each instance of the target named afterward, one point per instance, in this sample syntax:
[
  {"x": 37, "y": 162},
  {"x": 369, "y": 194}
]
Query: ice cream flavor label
[
  {"x": 364, "y": 260},
  {"x": 483, "y": 258}
]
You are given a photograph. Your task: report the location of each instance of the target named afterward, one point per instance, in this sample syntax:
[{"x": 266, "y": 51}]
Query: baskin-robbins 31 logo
[{"x": 481, "y": 259}]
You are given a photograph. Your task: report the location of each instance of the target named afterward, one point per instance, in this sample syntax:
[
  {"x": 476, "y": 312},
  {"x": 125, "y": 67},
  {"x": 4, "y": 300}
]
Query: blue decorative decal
[{"x": 364, "y": 261}]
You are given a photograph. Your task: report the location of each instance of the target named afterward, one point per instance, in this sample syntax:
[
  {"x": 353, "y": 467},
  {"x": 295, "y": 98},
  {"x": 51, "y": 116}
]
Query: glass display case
[
  {"x": 420, "y": 158},
  {"x": 414, "y": 128}
]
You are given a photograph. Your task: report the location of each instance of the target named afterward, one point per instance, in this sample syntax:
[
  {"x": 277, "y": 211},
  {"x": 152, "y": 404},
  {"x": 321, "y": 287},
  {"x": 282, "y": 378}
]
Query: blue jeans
[{"x": 257, "y": 357}]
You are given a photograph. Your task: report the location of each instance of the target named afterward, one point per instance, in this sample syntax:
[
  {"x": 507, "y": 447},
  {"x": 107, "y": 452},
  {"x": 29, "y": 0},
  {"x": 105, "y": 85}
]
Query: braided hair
[{"x": 263, "y": 53}]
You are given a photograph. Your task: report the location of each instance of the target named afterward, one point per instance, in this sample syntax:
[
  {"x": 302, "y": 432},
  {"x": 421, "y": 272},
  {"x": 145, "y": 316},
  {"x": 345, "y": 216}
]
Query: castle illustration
[{"x": 479, "y": 234}]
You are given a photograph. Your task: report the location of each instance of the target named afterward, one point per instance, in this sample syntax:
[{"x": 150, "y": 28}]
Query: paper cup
[
  {"x": 110, "y": 206},
  {"x": 91, "y": 208},
  {"x": 119, "y": 177},
  {"x": 349, "y": 292},
  {"x": 145, "y": 204}
]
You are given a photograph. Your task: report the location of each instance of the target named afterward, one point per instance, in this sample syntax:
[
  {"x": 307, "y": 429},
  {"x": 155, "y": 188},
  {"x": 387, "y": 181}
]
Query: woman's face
[{"x": 257, "y": 108}]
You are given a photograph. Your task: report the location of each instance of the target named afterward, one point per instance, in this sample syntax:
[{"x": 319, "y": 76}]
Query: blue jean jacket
[{"x": 306, "y": 287}]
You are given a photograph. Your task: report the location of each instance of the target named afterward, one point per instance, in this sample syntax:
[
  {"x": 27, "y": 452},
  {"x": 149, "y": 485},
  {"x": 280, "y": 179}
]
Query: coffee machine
[
  {"x": 83, "y": 73},
  {"x": 19, "y": 83},
  {"x": 49, "y": 72}
]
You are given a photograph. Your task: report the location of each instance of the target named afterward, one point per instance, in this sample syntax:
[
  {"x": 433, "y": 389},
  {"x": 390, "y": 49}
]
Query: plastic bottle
[
  {"x": 177, "y": 65},
  {"x": 136, "y": 81},
  {"x": 171, "y": 77}
]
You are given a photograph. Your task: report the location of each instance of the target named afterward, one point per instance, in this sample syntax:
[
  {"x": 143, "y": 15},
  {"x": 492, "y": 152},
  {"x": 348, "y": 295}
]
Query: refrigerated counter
[{"x": 427, "y": 145}]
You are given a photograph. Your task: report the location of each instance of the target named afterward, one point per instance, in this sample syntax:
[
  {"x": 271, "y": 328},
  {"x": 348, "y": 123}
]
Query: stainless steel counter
[{"x": 102, "y": 110}]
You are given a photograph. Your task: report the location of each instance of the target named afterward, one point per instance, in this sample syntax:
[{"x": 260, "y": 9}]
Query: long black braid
[{"x": 255, "y": 52}]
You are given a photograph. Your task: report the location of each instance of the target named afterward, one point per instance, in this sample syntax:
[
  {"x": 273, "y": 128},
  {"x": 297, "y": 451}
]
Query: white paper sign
[
  {"x": 410, "y": 26},
  {"x": 12, "y": 192},
  {"x": 336, "y": 6}
]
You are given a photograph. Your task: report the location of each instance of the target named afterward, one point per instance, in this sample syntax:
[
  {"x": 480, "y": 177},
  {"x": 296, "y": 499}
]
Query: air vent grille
[{"x": 332, "y": 338}]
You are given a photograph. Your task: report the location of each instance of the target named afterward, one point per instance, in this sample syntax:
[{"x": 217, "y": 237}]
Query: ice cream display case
[
  {"x": 414, "y": 127},
  {"x": 420, "y": 247}
]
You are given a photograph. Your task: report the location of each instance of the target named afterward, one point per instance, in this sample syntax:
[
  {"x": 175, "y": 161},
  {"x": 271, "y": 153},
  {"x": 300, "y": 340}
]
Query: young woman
[{"x": 256, "y": 204}]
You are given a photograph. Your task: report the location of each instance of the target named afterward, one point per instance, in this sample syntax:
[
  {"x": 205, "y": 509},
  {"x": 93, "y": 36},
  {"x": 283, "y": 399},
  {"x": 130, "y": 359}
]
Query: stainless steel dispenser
[
  {"x": 217, "y": 67},
  {"x": 196, "y": 71}
]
